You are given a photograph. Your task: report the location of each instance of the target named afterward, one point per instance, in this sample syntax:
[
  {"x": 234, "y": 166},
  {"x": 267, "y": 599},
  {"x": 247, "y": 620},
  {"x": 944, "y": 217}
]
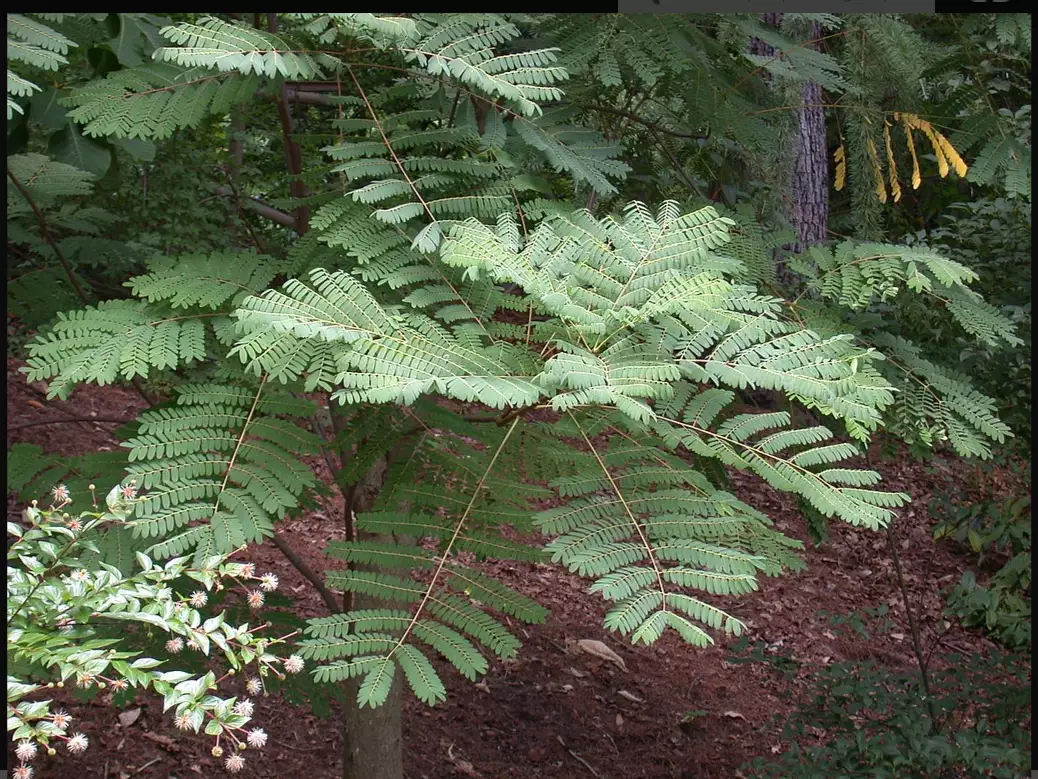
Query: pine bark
[
  {"x": 811, "y": 168},
  {"x": 809, "y": 209}
]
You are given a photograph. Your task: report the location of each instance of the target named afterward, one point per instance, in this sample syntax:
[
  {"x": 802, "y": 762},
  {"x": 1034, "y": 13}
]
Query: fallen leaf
[
  {"x": 460, "y": 764},
  {"x": 734, "y": 715},
  {"x": 164, "y": 741},
  {"x": 619, "y": 721},
  {"x": 898, "y": 636},
  {"x": 482, "y": 685},
  {"x": 567, "y": 687},
  {"x": 576, "y": 673},
  {"x": 629, "y": 696},
  {"x": 128, "y": 717},
  {"x": 600, "y": 650}
]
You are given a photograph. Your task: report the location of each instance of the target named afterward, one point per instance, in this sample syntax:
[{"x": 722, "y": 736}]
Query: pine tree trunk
[
  {"x": 809, "y": 213},
  {"x": 811, "y": 168}
]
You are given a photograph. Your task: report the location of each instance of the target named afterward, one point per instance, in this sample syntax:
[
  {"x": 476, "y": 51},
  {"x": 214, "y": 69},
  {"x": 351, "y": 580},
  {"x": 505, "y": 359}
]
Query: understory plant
[
  {"x": 72, "y": 618},
  {"x": 999, "y": 533},
  {"x": 868, "y": 720}
]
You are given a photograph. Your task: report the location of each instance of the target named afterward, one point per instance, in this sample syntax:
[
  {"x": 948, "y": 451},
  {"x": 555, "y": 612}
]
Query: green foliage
[
  {"x": 212, "y": 43},
  {"x": 71, "y": 617},
  {"x": 31, "y": 473},
  {"x": 152, "y": 101},
  {"x": 44, "y": 269},
  {"x": 992, "y": 236},
  {"x": 448, "y": 266},
  {"x": 994, "y": 92},
  {"x": 33, "y": 44},
  {"x": 934, "y": 403},
  {"x": 876, "y": 724},
  {"x": 992, "y": 529},
  {"x": 222, "y": 455}
]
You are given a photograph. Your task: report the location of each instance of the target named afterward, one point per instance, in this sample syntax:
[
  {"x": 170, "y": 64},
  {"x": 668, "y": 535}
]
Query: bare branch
[
  {"x": 105, "y": 420},
  {"x": 262, "y": 209}
]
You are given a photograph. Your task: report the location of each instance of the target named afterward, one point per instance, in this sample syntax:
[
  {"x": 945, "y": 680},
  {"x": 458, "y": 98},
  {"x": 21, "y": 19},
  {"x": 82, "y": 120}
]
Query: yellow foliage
[
  {"x": 895, "y": 185},
  {"x": 948, "y": 158},
  {"x": 840, "y": 158},
  {"x": 917, "y": 178},
  {"x": 877, "y": 170}
]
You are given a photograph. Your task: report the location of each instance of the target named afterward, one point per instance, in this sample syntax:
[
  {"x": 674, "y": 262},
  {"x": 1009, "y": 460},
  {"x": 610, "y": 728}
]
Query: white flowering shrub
[{"x": 66, "y": 621}]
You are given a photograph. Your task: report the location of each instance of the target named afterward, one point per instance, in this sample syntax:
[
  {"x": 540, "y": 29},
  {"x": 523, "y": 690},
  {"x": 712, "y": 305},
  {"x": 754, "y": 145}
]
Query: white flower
[
  {"x": 26, "y": 751},
  {"x": 22, "y": 772},
  {"x": 234, "y": 763},
  {"x": 254, "y": 686},
  {"x": 268, "y": 582},
  {"x": 61, "y": 494},
  {"x": 244, "y": 708},
  {"x": 79, "y": 575},
  {"x": 192, "y": 645},
  {"x": 174, "y": 645},
  {"x": 183, "y": 721},
  {"x": 77, "y": 744},
  {"x": 61, "y": 718},
  {"x": 257, "y": 738},
  {"x": 198, "y": 599},
  {"x": 248, "y": 570},
  {"x": 216, "y": 751},
  {"x": 294, "y": 664},
  {"x": 255, "y": 599}
]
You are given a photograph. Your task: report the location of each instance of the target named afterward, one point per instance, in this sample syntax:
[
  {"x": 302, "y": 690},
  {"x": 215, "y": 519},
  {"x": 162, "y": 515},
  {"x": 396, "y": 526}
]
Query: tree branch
[
  {"x": 45, "y": 233},
  {"x": 261, "y": 209},
  {"x": 656, "y": 126},
  {"x": 300, "y": 565},
  {"x": 260, "y": 246},
  {"x": 71, "y": 420}
]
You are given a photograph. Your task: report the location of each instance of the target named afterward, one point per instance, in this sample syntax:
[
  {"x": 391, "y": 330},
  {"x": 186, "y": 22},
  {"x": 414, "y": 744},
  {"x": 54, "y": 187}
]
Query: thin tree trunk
[{"x": 372, "y": 738}]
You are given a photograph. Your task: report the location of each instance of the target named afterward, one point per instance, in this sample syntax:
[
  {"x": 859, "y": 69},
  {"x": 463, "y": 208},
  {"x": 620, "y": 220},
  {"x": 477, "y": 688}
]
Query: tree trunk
[
  {"x": 811, "y": 168},
  {"x": 809, "y": 211},
  {"x": 372, "y": 738}
]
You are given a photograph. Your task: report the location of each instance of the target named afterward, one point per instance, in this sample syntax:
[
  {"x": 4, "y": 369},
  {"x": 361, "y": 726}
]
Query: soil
[{"x": 552, "y": 713}]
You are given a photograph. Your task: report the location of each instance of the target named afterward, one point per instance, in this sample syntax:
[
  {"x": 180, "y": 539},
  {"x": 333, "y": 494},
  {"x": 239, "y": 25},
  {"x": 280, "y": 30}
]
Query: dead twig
[
  {"x": 584, "y": 763},
  {"x": 71, "y": 420},
  {"x": 146, "y": 765}
]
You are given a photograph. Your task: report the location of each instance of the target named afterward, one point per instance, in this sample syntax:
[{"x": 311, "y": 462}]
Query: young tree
[{"x": 484, "y": 316}]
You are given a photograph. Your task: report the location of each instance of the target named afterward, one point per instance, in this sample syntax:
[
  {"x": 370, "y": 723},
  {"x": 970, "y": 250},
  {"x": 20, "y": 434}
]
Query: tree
[{"x": 466, "y": 264}]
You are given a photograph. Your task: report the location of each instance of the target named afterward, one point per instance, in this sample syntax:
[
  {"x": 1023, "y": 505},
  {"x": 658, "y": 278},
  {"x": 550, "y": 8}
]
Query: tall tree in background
[{"x": 808, "y": 171}]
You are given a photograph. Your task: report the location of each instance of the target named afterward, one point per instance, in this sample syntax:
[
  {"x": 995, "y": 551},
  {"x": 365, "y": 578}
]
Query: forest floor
[{"x": 673, "y": 712}]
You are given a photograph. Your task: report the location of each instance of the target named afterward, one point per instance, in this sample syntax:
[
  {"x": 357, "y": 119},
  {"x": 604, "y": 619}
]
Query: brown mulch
[{"x": 551, "y": 713}]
